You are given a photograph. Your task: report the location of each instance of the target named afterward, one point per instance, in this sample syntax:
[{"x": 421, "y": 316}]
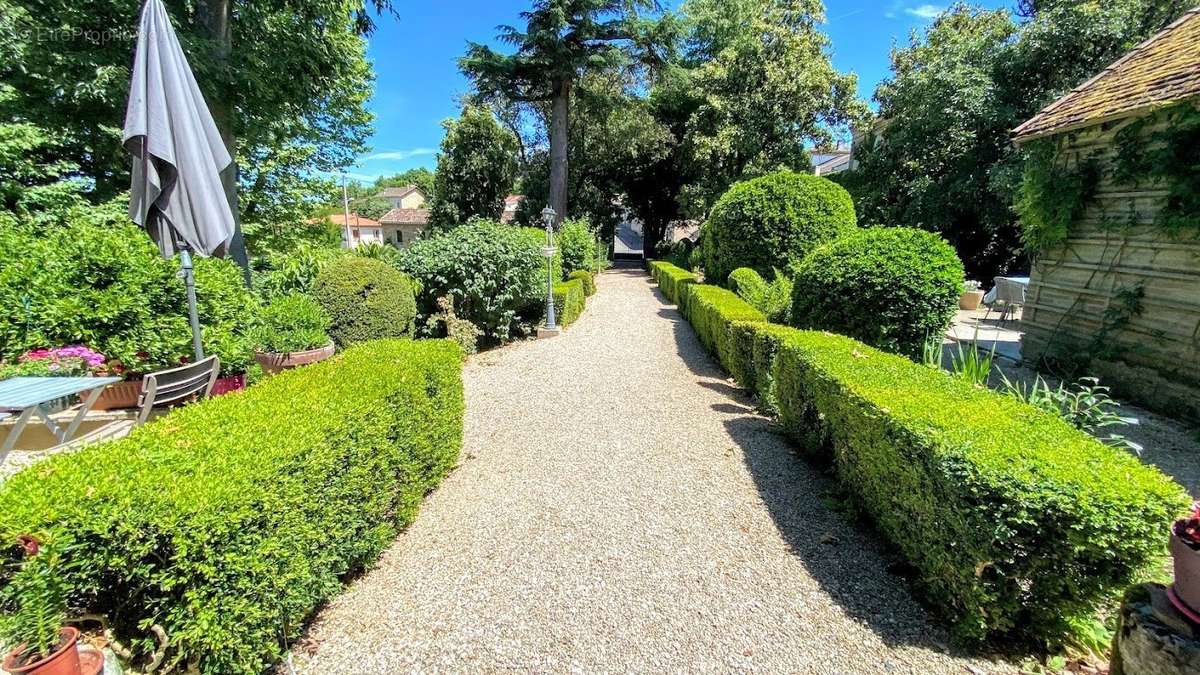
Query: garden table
[{"x": 27, "y": 396}]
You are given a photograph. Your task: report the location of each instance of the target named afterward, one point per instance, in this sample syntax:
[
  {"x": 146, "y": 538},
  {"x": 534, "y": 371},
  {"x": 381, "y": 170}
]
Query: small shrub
[
  {"x": 671, "y": 279},
  {"x": 569, "y": 299},
  {"x": 773, "y": 299},
  {"x": 577, "y": 244},
  {"x": 772, "y": 222},
  {"x": 888, "y": 287},
  {"x": 494, "y": 274},
  {"x": 589, "y": 281},
  {"x": 365, "y": 299},
  {"x": 678, "y": 253},
  {"x": 464, "y": 333},
  {"x": 230, "y": 521},
  {"x": 292, "y": 323}
]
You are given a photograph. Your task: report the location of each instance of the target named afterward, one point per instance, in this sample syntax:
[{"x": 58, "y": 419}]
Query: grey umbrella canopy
[{"x": 178, "y": 154}]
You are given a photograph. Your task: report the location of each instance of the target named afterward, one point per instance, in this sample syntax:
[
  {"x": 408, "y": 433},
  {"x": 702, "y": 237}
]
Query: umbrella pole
[{"x": 189, "y": 280}]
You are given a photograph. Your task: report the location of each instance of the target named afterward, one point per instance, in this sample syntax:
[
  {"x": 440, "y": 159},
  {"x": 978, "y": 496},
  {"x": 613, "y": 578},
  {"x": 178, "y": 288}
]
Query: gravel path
[{"x": 620, "y": 508}]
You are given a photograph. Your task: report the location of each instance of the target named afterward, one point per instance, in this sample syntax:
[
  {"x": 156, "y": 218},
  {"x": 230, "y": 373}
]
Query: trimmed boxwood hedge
[
  {"x": 712, "y": 311},
  {"x": 772, "y": 222},
  {"x": 588, "y": 279},
  {"x": 229, "y": 521},
  {"x": 671, "y": 278},
  {"x": 367, "y": 299},
  {"x": 569, "y": 299},
  {"x": 889, "y": 287},
  {"x": 1015, "y": 522}
]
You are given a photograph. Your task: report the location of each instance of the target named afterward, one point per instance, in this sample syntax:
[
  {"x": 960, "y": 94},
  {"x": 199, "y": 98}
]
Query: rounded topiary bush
[
  {"x": 772, "y": 222},
  {"x": 888, "y": 287},
  {"x": 366, "y": 299}
]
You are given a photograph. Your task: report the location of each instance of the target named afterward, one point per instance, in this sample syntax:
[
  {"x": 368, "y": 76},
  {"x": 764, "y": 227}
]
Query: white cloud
[
  {"x": 395, "y": 155},
  {"x": 927, "y": 12}
]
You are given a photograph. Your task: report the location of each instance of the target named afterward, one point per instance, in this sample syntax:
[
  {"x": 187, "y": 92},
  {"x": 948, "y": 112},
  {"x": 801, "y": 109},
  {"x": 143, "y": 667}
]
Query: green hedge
[
  {"x": 569, "y": 299},
  {"x": 588, "y": 279},
  {"x": 712, "y": 311},
  {"x": 671, "y": 279},
  {"x": 366, "y": 299},
  {"x": 228, "y": 522},
  {"x": 1016, "y": 522}
]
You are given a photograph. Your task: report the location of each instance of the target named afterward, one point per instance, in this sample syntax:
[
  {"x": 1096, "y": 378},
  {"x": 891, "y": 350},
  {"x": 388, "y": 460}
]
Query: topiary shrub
[
  {"x": 888, "y": 287},
  {"x": 713, "y": 311},
  {"x": 771, "y": 298},
  {"x": 230, "y": 521},
  {"x": 671, "y": 279},
  {"x": 772, "y": 222},
  {"x": 291, "y": 323},
  {"x": 366, "y": 299},
  {"x": 588, "y": 279},
  {"x": 493, "y": 273}
]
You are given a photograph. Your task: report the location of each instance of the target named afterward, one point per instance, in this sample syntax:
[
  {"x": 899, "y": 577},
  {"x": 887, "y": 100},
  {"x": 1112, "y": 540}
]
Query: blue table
[{"x": 27, "y": 396}]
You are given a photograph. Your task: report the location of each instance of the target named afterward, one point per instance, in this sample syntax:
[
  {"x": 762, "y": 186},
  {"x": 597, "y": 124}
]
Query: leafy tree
[
  {"x": 563, "y": 40},
  {"x": 371, "y": 207},
  {"x": 476, "y": 169},
  {"x": 940, "y": 158}
]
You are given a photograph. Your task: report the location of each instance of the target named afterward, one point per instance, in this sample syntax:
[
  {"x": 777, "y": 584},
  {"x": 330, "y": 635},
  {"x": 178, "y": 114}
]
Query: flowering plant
[
  {"x": 72, "y": 361},
  {"x": 1188, "y": 529}
]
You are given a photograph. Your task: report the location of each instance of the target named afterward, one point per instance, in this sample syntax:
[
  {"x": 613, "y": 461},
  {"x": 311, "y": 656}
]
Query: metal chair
[{"x": 1010, "y": 295}]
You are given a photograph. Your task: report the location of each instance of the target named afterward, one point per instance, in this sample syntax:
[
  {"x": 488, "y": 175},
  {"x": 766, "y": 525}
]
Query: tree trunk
[
  {"x": 216, "y": 15},
  {"x": 559, "y": 124}
]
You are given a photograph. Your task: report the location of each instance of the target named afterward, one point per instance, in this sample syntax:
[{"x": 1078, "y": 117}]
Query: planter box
[
  {"x": 970, "y": 299},
  {"x": 277, "y": 362},
  {"x": 119, "y": 395},
  {"x": 228, "y": 385}
]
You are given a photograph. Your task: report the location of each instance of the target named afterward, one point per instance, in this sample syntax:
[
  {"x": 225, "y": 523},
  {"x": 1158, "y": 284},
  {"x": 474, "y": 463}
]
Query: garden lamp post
[{"x": 551, "y": 328}]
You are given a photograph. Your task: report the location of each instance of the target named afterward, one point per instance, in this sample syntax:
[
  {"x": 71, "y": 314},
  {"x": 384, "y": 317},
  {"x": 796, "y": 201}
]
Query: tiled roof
[
  {"x": 406, "y": 217},
  {"x": 513, "y": 201},
  {"x": 398, "y": 192},
  {"x": 356, "y": 220},
  {"x": 1162, "y": 70}
]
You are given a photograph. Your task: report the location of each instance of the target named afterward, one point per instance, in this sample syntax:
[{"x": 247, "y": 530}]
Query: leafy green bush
[
  {"x": 889, "y": 287},
  {"x": 772, "y": 222},
  {"x": 712, "y": 311},
  {"x": 494, "y": 273},
  {"x": 1016, "y": 523},
  {"x": 588, "y": 280},
  {"x": 109, "y": 289},
  {"x": 292, "y": 323},
  {"x": 569, "y": 299},
  {"x": 773, "y": 299},
  {"x": 229, "y": 521},
  {"x": 366, "y": 299},
  {"x": 671, "y": 279},
  {"x": 678, "y": 253},
  {"x": 577, "y": 243}
]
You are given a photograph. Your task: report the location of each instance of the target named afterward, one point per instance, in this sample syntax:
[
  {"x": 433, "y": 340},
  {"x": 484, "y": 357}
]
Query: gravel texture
[{"x": 619, "y": 507}]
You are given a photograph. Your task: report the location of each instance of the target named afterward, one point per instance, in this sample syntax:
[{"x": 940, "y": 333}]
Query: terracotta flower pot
[
  {"x": 66, "y": 660},
  {"x": 970, "y": 299},
  {"x": 277, "y": 362},
  {"x": 119, "y": 395},
  {"x": 1187, "y": 572}
]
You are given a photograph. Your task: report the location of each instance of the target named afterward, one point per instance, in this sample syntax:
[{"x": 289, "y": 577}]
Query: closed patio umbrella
[{"x": 178, "y": 154}]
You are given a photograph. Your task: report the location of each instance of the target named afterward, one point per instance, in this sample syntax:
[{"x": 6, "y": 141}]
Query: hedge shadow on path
[{"x": 845, "y": 556}]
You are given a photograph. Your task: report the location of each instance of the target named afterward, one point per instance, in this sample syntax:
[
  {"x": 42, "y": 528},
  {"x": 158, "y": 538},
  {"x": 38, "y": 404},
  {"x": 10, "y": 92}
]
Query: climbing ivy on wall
[
  {"x": 1161, "y": 149},
  {"x": 1053, "y": 194}
]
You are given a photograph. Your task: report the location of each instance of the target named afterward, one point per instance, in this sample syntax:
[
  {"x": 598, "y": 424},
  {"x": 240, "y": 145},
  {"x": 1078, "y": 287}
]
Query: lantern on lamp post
[{"x": 551, "y": 328}]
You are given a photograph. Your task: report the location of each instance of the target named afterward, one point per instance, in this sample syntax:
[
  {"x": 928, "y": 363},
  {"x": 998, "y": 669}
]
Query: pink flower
[{"x": 29, "y": 543}]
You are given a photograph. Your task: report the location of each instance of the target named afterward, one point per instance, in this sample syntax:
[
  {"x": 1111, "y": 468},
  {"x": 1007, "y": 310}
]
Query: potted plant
[
  {"x": 35, "y": 612},
  {"x": 972, "y": 295},
  {"x": 1185, "y": 552},
  {"x": 293, "y": 331}
]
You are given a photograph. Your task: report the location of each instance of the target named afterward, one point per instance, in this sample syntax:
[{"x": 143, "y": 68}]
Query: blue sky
[{"x": 419, "y": 83}]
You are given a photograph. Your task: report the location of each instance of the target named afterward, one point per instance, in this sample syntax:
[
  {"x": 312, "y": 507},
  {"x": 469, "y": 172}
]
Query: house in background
[
  {"x": 836, "y": 160},
  {"x": 358, "y": 231},
  {"x": 1121, "y": 288},
  {"x": 406, "y": 222},
  {"x": 511, "y": 203}
]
